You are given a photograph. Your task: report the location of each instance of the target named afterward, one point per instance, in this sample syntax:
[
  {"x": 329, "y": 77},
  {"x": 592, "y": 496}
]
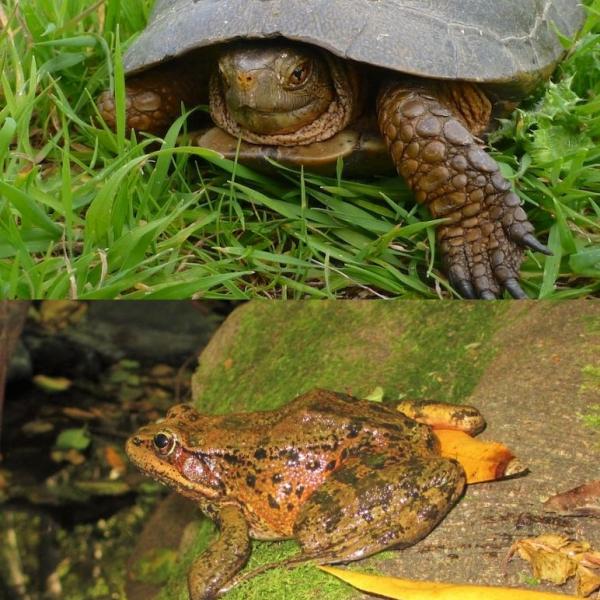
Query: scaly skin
[
  {"x": 153, "y": 99},
  {"x": 449, "y": 171}
]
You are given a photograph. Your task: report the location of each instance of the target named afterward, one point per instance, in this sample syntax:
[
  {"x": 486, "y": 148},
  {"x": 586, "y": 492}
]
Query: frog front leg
[
  {"x": 224, "y": 557},
  {"x": 376, "y": 502}
]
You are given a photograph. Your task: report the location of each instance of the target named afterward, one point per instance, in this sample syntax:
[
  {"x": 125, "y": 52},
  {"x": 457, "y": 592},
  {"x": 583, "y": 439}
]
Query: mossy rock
[{"x": 266, "y": 353}]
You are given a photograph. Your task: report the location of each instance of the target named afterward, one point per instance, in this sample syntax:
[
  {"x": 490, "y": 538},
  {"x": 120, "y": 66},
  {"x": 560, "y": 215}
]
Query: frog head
[{"x": 167, "y": 451}]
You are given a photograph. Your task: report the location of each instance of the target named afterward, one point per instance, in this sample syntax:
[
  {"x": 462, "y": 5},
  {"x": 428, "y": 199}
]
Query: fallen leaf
[
  {"x": 71, "y": 456},
  {"x": 58, "y": 314},
  {"x": 80, "y": 414},
  {"x": 114, "y": 459},
  {"x": 481, "y": 460},
  {"x": 406, "y": 589},
  {"x": 444, "y": 416},
  {"x": 52, "y": 384},
  {"x": 583, "y": 500},
  {"x": 37, "y": 427},
  {"x": 557, "y": 558},
  {"x": 376, "y": 395},
  {"x": 588, "y": 581},
  {"x": 77, "y": 439}
]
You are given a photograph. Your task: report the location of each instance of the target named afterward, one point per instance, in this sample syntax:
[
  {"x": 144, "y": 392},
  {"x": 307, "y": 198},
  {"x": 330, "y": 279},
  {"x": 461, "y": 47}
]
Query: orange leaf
[
  {"x": 440, "y": 415},
  {"x": 481, "y": 460}
]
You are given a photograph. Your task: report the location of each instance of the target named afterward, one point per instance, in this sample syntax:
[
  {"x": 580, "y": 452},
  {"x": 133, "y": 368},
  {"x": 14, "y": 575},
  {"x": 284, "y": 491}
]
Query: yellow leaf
[
  {"x": 52, "y": 384},
  {"x": 405, "y": 589}
]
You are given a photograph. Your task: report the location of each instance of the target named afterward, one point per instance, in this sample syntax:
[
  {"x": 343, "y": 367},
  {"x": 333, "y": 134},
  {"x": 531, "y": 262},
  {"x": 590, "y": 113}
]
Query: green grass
[{"x": 88, "y": 213}]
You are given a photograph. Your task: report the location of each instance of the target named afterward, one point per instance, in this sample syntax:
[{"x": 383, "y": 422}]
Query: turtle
[{"x": 305, "y": 80}]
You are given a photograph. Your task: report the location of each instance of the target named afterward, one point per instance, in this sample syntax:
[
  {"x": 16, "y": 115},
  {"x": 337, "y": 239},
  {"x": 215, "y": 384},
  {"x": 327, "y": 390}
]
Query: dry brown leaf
[
  {"x": 481, "y": 460},
  {"x": 557, "y": 558},
  {"x": 583, "y": 500},
  {"x": 588, "y": 581},
  {"x": 406, "y": 589}
]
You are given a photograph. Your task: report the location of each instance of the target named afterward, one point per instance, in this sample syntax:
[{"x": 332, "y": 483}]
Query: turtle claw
[
  {"x": 487, "y": 295},
  {"x": 514, "y": 289},
  {"x": 530, "y": 241},
  {"x": 464, "y": 288}
]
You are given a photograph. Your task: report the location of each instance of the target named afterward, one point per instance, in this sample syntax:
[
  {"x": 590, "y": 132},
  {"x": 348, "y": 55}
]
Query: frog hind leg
[
  {"x": 377, "y": 502},
  {"x": 217, "y": 565}
]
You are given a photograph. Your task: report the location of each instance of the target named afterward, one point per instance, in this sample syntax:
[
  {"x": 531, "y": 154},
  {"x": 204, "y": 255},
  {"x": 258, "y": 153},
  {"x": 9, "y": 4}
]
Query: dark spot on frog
[
  {"x": 136, "y": 441},
  {"x": 366, "y": 515},
  {"x": 429, "y": 512},
  {"x": 330, "y": 465},
  {"x": 373, "y": 461},
  {"x": 260, "y": 454},
  {"x": 277, "y": 478},
  {"x": 292, "y": 457},
  {"x": 273, "y": 503},
  {"x": 193, "y": 417},
  {"x": 287, "y": 489},
  {"x": 250, "y": 480},
  {"x": 290, "y": 507},
  {"x": 354, "y": 428},
  {"x": 232, "y": 459},
  {"x": 313, "y": 465},
  {"x": 346, "y": 476},
  {"x": 299, "y": 491}
]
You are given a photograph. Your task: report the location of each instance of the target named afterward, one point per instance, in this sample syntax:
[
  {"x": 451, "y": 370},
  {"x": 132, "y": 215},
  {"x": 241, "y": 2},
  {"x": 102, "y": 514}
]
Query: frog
[{"x": 344, "y": 477}]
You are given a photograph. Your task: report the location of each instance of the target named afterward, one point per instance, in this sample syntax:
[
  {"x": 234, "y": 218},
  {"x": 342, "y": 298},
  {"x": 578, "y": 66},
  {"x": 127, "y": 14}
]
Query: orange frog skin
[{"x": 344, "y": 477}]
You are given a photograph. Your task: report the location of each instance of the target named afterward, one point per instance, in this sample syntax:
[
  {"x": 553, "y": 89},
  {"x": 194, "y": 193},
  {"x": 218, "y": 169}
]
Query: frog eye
[{"x": 164, "y": 442}]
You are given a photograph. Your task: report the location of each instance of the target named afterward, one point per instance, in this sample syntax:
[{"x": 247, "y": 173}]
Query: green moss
[
  {"x": 271, "y": 352},
  {"x": 591, "y": 385}
]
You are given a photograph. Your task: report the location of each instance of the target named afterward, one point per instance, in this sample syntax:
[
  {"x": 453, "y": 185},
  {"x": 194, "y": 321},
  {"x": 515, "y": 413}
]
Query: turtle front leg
[
  {"x": 153, "y": 99},
  {"x": 431, "y": 134},
  {"x": 223, "y": 558}
]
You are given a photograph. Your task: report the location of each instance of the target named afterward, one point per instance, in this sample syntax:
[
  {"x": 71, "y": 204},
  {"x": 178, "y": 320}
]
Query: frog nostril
[{"x": 136, "y": 441}]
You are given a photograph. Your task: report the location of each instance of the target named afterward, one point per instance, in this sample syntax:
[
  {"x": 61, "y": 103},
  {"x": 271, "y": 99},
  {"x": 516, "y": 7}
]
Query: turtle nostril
[{"x": 245, "y": 80}]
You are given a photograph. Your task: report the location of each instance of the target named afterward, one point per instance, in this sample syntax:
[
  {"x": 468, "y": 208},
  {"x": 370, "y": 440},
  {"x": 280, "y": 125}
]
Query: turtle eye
[
  {"x": 164, "y": 442},
  {"x": 299, "y": 74}
]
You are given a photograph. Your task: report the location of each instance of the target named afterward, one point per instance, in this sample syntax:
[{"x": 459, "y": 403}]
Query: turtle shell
[{"x": 491, "y": 41}]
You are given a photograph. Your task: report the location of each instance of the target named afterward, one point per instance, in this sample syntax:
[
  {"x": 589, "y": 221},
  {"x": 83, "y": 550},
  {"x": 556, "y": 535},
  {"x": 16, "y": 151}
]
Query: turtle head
[
  {"x": 275, "y": 88},
  {"x": 262, "y": 89}
]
